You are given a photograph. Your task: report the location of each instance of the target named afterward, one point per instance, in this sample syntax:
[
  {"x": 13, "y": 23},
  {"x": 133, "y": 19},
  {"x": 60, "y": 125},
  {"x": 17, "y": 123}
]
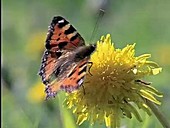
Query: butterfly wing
[
  {"x": 70, "y": 82},
  {"x": 62, "y": 36},
  {"x": 49, "y": 62}
]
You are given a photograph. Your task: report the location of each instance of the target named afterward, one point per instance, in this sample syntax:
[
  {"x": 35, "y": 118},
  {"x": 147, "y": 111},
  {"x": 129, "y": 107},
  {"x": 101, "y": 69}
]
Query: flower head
[{"x": 115, "y": 87}]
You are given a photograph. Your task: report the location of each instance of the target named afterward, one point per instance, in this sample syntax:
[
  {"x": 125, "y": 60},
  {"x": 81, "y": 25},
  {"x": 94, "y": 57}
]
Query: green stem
[{"x": 163, "y": 120}]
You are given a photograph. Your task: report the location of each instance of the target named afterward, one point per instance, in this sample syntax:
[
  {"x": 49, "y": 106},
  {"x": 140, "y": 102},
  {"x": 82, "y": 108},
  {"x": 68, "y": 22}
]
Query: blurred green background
[{"x": 24, "y": 28}]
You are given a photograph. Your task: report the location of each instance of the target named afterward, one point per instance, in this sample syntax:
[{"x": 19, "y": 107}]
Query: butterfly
[{"x": 65, "y": 59}]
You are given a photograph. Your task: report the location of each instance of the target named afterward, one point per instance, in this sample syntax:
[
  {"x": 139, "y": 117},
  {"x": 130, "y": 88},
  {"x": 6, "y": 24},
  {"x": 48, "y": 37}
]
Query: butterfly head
[{"x": 84, "y": 52}]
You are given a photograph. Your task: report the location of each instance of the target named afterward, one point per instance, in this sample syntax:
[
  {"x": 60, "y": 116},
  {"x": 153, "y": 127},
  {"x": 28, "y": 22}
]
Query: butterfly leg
[
  {"x": 142, "y": 82},
  {"x": 91, "y": 64},
  {"x": 83, "y": 89}
]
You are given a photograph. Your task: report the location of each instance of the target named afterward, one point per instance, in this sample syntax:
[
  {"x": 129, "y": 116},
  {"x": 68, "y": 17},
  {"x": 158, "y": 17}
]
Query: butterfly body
[{"x": 64, "y": 63}]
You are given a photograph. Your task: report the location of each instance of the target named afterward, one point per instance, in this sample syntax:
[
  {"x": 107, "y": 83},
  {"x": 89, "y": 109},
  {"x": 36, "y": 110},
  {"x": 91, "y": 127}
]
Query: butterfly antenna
[{"x": 100, "y": 16}]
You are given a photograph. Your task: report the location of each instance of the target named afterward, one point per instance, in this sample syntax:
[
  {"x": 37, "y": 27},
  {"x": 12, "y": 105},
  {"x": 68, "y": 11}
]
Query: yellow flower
[
  {"x": 115, "y": 89},
  {"x": 36, "y": 93},
  {"x": 35, "y": 47}
]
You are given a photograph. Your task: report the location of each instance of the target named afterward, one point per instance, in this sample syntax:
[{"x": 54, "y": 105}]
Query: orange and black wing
[
  {"x": 62, "y": 36},
  {"x": 70, "y": 82},
  {"x": 49, "y": 63}
]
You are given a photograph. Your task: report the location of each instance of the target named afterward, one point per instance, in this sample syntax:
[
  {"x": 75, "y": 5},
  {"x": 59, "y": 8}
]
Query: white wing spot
[
  {"x": 61, "y": 21},
  {"x": 80, "y": 82}
]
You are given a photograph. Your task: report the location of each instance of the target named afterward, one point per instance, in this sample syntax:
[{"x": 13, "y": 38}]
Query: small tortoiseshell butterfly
[{"x": 65, "y": 60}]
